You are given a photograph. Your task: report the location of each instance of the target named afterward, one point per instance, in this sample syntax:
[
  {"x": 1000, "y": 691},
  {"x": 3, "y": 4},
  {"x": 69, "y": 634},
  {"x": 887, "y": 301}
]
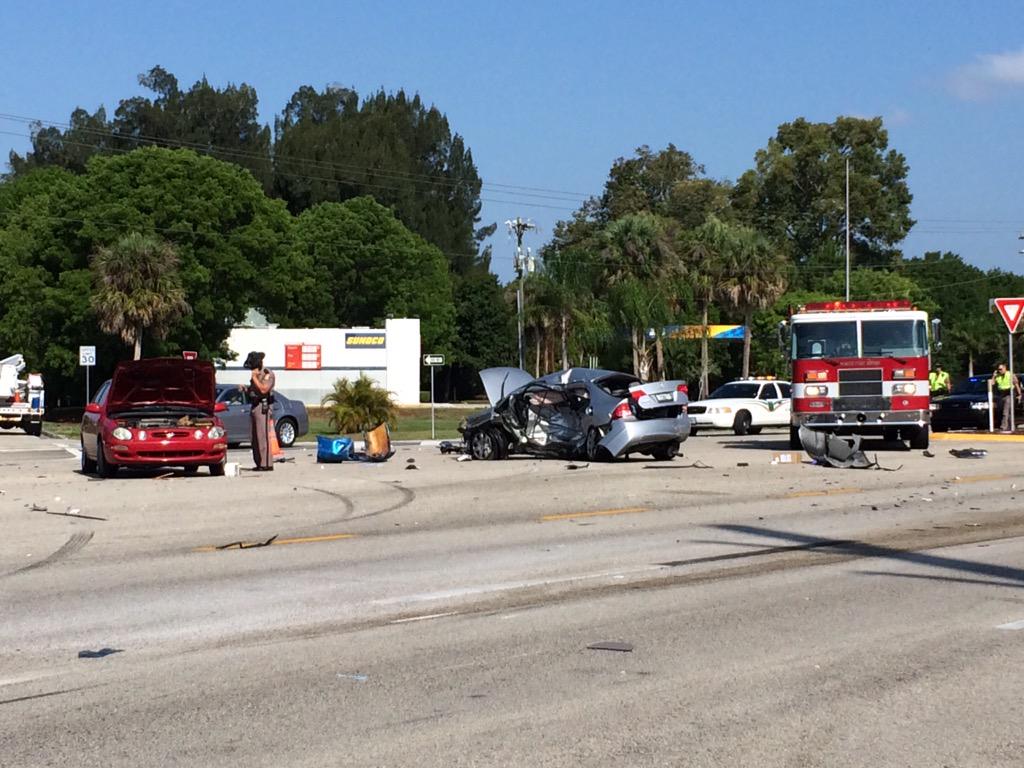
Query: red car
[{"x": 155, "y": 413}]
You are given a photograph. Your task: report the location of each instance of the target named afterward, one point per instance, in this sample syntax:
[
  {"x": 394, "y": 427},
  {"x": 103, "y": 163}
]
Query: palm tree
[
  {"x": 754, "y": 277},
  {"x": 639, "y": 267},
  {"x": 358, "y": 406},
  {"x": 138, "y": 288},
  {"x": 706, "y": 250}
]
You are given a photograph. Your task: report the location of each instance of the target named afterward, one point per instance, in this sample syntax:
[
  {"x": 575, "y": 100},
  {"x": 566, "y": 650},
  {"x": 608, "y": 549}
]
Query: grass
[{"x": 411, "y": 424}]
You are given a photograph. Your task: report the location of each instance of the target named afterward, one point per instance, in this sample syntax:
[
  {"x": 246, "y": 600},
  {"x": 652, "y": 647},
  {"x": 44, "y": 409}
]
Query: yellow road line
[
  {"x": 828, "y": 492},
  {"x": 598, "y": 513},
  {"x": 276, "y": 542},
  {"x": 981, "y": 478},
  {"x": 979, "y": 437}
]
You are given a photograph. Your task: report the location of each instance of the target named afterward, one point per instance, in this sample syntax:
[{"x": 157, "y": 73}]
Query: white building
[{"x": 307, "y": 361}]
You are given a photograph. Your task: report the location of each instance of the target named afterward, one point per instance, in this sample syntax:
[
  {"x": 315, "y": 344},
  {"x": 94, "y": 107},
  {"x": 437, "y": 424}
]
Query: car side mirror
[
  {"x": 220, "y": 407},
  {"x": 92, "y": 408},
  {"x": 937, "y": 333}
]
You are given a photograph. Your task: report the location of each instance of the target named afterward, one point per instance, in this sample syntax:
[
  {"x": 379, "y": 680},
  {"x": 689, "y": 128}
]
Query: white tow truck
[{"x": 22, "y": 401}]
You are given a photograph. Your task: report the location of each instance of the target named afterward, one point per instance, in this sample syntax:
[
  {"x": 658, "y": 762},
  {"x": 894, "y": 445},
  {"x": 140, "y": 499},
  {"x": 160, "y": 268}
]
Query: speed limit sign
[{"x": 87, "y": 356}]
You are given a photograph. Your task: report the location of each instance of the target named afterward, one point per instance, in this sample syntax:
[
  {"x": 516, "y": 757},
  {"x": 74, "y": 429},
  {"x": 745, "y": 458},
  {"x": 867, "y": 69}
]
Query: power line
[
  {"x": 538, "y": 192},
  {"x": 307, "y": 177}
]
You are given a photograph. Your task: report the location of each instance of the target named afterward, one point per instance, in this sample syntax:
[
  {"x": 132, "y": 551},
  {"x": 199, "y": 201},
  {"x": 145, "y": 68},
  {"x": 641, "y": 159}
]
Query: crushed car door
[{"x": 553, "y": 418}]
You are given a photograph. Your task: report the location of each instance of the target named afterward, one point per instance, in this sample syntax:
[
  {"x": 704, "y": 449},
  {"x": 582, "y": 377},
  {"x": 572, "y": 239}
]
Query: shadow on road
[{"x": 863, "y": 549}]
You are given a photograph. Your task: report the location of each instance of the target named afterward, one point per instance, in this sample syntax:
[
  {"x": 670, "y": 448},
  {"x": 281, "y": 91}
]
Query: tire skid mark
[
  {"x": 408, "y": 497},
  {"x": 348, "y": 504},
  {"x": 72, "y": 545}
]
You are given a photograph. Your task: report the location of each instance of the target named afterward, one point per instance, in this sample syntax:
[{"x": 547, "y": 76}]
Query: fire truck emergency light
[{"x": 853, "y": 306}]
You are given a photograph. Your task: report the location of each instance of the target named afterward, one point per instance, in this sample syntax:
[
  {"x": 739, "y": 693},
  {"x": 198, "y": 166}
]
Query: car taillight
[
  {"x": 683, "y": 388},
  {"x": 622, "y": 411},
  {"x": 636, "y": 394}
]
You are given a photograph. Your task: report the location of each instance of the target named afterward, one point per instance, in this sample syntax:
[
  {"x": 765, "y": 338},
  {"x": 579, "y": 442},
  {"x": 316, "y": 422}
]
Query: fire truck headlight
[
  {"x": 815, "y": 391},
  {"x": 904, "y": 389}
]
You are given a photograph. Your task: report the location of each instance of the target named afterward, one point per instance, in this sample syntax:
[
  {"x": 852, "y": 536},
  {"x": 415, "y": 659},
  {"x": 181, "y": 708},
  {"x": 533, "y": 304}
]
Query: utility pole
[
  {"x": 847, "y": 228},
  {"x": 520, "y": 227}
]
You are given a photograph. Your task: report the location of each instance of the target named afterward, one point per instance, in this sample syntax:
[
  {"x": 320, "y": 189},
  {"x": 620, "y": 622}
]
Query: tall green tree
[
  {"x": 796, "y": 190},
  {"x": 230, "y": 238},
  {"x": 706, "y": 252},
  {"x": 368, "y": 266},
  {"x": 330, "y": 147},
  {"x": 138, "y": 289},
  {"x": 754, "y": 276},
  {"x": 220, "y": 122},
  {"x": 640, "y": 268}
]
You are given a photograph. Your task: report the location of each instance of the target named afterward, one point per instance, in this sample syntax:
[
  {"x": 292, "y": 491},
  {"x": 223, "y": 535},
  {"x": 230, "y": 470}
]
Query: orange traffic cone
[{"x": 276, "y": 453}]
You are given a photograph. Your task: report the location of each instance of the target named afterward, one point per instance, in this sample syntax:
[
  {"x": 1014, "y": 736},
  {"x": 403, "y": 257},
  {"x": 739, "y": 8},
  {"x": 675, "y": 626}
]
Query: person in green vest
[
  {"x": 938, "y": 382},
  {"x": 1006, "y": 387}
]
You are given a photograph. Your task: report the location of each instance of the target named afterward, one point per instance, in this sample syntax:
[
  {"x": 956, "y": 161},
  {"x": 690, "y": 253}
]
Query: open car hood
[
  {"x": 163, "y": 381},
  {"x": 499, "y": 382}
]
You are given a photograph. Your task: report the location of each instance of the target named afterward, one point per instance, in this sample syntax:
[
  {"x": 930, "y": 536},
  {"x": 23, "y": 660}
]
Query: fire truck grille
[
  {"x": 862, "y": 404},
  {"x": 860, "y": 382}
]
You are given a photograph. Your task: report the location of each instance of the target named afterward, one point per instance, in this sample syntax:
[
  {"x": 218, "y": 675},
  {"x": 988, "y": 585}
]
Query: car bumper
[
  {"x": 862, "y": 421},
  {"x": 627, "y": 436},
  {"x": 712, "y": 421},
  {"x": 185, "y": 454}
]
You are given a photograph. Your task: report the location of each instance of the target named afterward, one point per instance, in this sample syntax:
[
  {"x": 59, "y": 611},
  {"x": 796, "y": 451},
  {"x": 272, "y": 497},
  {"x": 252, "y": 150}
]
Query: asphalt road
[{"x": 778, "y": 615}]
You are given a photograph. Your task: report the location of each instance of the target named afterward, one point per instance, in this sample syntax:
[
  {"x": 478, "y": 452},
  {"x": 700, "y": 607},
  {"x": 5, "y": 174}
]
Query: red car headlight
[{"x": 215, "y": 433}]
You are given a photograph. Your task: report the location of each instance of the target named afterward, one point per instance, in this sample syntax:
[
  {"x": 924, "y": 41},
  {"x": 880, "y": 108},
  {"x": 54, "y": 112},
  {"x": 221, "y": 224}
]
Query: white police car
[{"x": 744, "y": 406}]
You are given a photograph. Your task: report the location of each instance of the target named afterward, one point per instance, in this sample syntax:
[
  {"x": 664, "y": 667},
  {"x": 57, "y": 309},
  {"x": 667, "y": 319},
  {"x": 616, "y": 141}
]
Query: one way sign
[{"x": 1011, "y": 311}]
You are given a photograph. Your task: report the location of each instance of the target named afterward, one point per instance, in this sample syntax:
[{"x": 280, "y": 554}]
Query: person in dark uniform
[{"x": 261, "y": 397}]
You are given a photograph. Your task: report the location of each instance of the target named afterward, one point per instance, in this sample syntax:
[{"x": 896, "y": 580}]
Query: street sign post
[
  {"x": 432, "y": 361},
  {"x": 86, "y": 359},
  {"x": 1011, "y": 310}
]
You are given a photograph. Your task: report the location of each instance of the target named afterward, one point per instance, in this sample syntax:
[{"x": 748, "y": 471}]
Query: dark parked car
[
  {"x": 582, "y": 412},
  {"x": 154, "y": 413},
  {"x": 290, "y": 418},
  {"x": 967, "y": 407}
]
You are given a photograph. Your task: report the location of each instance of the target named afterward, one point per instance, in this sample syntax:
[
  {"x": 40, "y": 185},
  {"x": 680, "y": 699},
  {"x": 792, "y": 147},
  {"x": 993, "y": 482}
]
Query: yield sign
[{"x": 1011, "y": 310}]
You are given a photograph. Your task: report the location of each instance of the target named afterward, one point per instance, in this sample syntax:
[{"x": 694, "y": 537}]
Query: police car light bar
[{"x": 855, "y": 306}]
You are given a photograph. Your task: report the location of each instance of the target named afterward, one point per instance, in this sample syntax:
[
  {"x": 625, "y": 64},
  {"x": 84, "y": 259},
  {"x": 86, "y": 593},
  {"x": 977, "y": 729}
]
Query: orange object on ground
[
  {"x": 378, "y": 443},
  {"x": 276, "y": 452}
]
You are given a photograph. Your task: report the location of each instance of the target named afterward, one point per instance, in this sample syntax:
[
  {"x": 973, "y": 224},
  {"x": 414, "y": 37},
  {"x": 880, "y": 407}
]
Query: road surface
[{"x": 777, "y": 615}]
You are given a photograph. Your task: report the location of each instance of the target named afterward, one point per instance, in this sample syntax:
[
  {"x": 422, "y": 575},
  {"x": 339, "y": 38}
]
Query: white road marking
[
  {"x": 1012, "y": 625},
  {"x": 424, "y": 618}
]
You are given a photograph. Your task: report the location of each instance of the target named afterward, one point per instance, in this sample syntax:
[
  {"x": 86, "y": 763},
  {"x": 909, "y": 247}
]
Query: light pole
[{"x": 520, "y": 227}]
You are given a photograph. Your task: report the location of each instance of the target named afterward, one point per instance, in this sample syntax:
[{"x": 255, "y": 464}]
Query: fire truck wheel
[
  {"x": 741, "y": 424},
  {"x": 919, "y": 439},
  {"x": 35, "y": 429},
  {"x": 794, "y": 439}
]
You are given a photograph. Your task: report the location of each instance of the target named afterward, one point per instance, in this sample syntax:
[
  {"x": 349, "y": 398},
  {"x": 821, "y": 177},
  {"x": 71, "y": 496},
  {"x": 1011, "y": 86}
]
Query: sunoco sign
[{"x": 365, "y": 341}]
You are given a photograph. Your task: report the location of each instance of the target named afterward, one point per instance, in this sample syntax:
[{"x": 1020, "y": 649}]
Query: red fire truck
[{"x": 861, "y": 367}]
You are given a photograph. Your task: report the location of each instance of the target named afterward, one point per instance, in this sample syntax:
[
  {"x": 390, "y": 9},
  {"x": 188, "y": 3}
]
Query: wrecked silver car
[{"x": 583, "y": 413}]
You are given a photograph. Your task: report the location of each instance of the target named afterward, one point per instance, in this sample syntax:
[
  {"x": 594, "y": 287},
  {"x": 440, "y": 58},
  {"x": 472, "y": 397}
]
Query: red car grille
[
  {"x": 171, "y": 434},
  {"x": 169, "y": 454}
]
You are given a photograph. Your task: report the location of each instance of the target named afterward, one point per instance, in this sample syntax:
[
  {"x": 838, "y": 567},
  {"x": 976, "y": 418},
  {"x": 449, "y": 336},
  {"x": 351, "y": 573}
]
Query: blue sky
[{"x": 548, "y": 94}]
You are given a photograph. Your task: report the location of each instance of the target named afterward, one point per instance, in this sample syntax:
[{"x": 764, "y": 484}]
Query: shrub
[{"x": 358, "y": 406}]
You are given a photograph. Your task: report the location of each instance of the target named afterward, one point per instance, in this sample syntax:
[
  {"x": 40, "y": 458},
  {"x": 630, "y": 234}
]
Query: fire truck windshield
[
  {"x": 832, "y": 339},
  {"x": 894, "y": 338},
  {"x": 878, "y": 338}
]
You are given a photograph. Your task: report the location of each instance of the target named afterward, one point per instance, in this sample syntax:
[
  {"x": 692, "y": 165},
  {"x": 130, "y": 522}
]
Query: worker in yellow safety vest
[
  {"x": 1006, "y": 386},
  {"x": 938, "y": 381}
]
